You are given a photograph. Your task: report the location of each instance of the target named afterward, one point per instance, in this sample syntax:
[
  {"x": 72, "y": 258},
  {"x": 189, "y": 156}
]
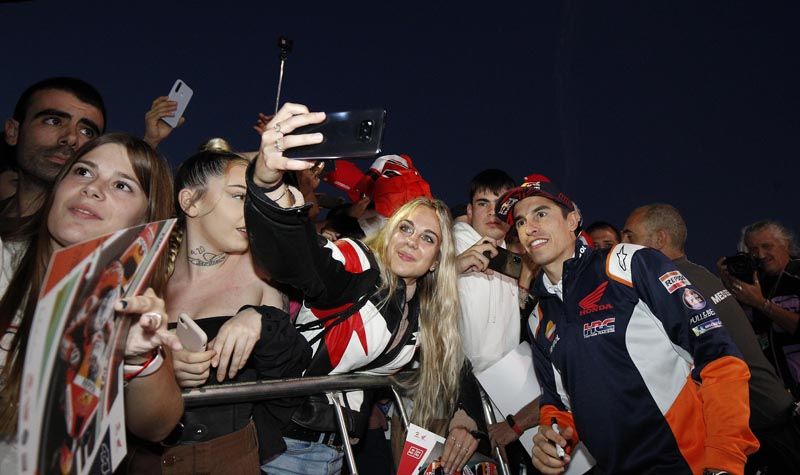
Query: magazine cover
[
  {"x": 421, "y": 449},
  {"x": 72, "y": 417}
]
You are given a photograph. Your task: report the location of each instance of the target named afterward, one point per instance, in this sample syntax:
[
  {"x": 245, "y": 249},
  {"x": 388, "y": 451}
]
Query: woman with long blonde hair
[{"x": 368, "y": 306}]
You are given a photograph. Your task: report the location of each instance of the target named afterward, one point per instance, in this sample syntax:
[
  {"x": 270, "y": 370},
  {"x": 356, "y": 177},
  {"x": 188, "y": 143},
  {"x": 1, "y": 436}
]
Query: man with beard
[{"x": 51, "y": 120}]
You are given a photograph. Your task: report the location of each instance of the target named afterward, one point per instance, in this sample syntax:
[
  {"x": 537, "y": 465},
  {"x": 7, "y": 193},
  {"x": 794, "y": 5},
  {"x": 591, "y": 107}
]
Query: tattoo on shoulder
[{"x": 200, "y": 257}]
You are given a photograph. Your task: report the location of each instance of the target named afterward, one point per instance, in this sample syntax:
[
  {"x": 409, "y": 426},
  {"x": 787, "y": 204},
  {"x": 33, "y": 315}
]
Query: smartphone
[
  {"x": 742, "y": 265},
  {"x": 350, "y": 134},
  {"x": 182, "y": 94},
  {"x": 192, "y": 337},
  {"x": 505, "y": 262}
]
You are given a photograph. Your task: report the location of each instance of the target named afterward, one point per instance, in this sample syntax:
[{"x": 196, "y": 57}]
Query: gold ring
[
  {"x": 278, "y": 128},
  {"x": 278, "y": 145}
]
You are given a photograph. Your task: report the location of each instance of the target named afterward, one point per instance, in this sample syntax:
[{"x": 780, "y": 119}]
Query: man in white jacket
[{"x": 490, "y": 315}]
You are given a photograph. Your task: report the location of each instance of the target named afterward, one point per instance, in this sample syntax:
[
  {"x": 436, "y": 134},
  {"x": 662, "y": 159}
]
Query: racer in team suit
[{"x": 632, "y": 359}]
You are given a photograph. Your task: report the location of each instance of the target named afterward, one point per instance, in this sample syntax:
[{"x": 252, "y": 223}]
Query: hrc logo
[{"x": 598, "y": 327}]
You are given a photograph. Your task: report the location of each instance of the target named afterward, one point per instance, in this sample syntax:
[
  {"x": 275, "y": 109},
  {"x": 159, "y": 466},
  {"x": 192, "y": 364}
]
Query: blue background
[{"x": 620, "y": 103}]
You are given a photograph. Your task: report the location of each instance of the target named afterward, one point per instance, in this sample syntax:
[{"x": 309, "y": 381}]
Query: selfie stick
[{"x": 285, "y": 45}]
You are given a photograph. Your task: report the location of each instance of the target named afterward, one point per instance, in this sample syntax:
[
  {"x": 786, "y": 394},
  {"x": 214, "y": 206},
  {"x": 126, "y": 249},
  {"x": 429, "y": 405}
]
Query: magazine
[{"x": 71, "y": 418}]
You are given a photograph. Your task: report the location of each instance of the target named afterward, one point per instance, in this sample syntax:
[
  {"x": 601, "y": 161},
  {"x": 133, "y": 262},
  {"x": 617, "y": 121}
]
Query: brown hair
[
  {"x": 213, "y": 160},
  {"x": 22, "y": 293}
]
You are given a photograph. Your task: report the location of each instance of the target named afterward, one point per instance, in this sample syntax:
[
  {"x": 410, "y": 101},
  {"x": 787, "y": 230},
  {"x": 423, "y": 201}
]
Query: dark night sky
[{"x": 621, "y": 103}]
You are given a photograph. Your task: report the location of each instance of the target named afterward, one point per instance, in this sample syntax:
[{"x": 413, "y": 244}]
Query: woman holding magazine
[{"x": 113, "y": 182}]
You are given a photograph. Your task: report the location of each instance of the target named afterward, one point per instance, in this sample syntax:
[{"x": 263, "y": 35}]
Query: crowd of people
[{"x": 649, "y": 362}]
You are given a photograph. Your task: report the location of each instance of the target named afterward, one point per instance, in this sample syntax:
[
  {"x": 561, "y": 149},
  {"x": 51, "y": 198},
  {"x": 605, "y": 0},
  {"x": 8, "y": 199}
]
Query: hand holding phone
[
  {"x": 506, "y": 263},
  {"x": 270, "y": 163},
  {"x": 182, "y": 94},
  {"x": 192, "y": 337},
  {"x": 477, "y": 257},
  {"x": 349, "y": 134}
]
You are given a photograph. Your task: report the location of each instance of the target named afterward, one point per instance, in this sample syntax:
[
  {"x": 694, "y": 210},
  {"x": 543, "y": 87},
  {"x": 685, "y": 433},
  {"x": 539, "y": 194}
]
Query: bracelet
[
  {"x": 766, "y": 305},
  {"x": 476, "y": 434},
  {"x": 514, "y": 426},
  {"x": 273, "y": 187},
  {"x": 457, "y": 427},
  {"x": 150, "y": 366}
]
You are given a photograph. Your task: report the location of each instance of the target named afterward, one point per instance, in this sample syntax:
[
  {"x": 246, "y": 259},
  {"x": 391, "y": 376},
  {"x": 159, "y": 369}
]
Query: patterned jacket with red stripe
[
  {"x": 332, "y": 277},
  {"x": 636, "y": 359}
]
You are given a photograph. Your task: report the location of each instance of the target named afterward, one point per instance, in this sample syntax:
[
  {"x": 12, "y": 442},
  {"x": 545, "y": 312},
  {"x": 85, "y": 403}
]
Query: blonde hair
[{"x": 436, "y": 384}]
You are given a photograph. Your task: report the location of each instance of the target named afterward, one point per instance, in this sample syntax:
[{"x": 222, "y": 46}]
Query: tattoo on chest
[{"x": 200, "y": 257}]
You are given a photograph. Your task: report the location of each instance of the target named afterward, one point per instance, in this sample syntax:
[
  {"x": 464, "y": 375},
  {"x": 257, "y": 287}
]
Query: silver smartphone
[{"x": 182, "y": 94}]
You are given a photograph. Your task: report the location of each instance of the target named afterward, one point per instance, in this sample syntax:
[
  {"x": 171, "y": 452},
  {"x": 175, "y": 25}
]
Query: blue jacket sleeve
[{"x": 689, "y": 317}]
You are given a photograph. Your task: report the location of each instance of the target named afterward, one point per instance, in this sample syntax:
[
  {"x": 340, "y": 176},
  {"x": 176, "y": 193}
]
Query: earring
[{"x": 433, "y": 268}]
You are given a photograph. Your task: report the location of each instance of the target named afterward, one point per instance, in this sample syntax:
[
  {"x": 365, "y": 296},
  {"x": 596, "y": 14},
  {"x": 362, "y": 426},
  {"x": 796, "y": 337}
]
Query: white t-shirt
[
  {"x": 10, "y": 255},
  {"x": 490, "y": 321}
]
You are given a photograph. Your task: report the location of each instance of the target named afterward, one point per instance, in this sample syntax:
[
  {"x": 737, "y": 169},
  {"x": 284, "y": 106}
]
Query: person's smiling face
[
  {"x": 546, "y": 234},
  {"x": 414, "y": 245}
]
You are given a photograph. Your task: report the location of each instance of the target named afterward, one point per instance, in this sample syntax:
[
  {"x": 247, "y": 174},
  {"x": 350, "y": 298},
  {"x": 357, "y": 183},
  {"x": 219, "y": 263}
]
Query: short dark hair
[
  {"x": 81, "y": 89},
  {"x": 603, "y": 225},
  {"x": 492, "y": 179}
]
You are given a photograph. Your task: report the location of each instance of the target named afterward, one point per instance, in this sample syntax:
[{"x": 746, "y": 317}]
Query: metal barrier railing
[{"x": 261, "y": 390}]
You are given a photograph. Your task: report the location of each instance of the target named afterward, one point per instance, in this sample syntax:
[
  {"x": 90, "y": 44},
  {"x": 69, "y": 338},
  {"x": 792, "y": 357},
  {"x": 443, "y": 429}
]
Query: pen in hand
[{"x": 559, "y": 449}]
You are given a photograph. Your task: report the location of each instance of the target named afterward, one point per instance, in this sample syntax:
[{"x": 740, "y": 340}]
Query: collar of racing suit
[{"x": 572, "y": 267}]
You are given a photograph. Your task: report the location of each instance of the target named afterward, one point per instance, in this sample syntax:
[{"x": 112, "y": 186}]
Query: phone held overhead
[
  {"x": 182, "y": 94},
  {"x": 349, "y": 134}
]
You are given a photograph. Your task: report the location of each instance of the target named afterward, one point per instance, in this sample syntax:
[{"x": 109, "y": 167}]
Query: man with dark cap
[{"x": 631, "y": 357}]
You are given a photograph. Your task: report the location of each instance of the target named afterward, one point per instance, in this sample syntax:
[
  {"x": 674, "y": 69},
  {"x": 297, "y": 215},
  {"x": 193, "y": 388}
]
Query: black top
[{"x": 281, "y": 352}]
